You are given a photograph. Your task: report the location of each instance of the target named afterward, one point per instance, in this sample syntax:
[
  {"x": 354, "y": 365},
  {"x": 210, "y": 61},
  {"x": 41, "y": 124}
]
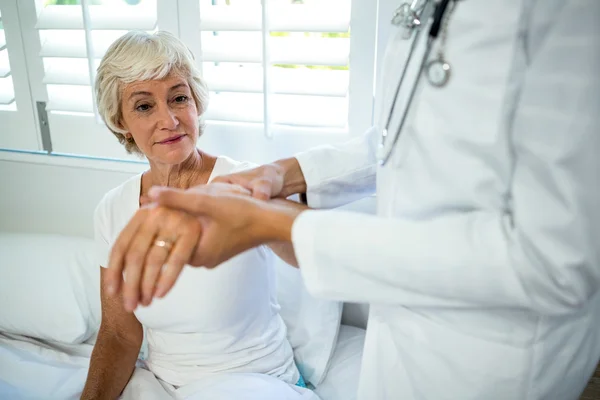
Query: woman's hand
[
  {"x": 280, "y": 179},
  {"x": 153, "y": 248},
  {"x": 138, "y": 256}
]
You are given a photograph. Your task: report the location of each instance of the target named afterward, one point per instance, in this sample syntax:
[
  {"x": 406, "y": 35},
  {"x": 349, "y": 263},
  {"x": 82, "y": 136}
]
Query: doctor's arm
[{"x": 330, "y": 175}]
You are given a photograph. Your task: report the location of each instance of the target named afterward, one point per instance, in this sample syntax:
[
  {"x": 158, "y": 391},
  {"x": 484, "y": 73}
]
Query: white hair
[{"x": 141, "y": 56}]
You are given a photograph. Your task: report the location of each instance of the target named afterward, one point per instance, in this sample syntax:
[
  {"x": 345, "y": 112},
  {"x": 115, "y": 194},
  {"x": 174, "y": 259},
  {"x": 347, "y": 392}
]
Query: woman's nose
[{"x": 167, "y": 118}]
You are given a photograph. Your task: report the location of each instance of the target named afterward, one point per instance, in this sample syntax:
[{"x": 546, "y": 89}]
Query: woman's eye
[
  {"x": 181, "y": 99},
  {"x": 143, "y": 107}
]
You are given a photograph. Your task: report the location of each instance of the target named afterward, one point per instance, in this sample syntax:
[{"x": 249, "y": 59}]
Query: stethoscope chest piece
[{"x": 438, "y": 72}]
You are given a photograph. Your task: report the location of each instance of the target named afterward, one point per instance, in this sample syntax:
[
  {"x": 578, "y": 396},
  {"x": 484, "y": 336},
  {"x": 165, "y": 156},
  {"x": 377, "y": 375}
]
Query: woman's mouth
[{"x": 172, "y": 139}]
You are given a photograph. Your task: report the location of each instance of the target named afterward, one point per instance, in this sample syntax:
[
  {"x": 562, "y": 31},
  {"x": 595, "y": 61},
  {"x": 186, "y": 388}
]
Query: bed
[{"x": 49, "y": 315}]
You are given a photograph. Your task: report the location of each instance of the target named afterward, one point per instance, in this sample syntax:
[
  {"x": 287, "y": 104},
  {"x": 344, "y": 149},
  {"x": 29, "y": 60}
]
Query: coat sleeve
[
  {"x": 337, "y": 175},
  {"x": 540, "y": 255}
]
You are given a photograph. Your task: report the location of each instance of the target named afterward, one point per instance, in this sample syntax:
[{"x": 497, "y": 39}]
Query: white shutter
[
  {"x": 64, "y": 49},
  {"x": 17, "y": 118},
  {"x": 7, "y": 91},
  {"x": 302, "y": 72}
]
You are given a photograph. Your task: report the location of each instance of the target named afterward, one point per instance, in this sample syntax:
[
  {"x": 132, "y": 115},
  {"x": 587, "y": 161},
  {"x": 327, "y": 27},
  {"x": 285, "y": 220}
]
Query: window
[
  {"x": 283, "y": 74},
  {"x": 65, "y": 42},
  {"x": 17, "y": 126},
  {"x": 286, "y": 74}
]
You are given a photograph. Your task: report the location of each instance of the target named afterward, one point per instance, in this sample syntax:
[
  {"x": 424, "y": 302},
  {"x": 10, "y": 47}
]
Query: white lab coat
[{"x": 482, "y": 267}]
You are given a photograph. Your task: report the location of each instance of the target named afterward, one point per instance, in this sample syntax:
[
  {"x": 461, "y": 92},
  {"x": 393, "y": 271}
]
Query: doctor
[{"x": 482, "y": 266}]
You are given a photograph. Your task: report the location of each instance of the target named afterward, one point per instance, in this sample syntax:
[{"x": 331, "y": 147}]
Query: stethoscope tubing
[{"x": 438, "y": 15}]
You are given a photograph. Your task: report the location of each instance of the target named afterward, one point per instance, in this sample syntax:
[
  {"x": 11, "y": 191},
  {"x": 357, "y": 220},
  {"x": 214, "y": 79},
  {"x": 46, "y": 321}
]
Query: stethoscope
[{"x": 409, "y": 16}]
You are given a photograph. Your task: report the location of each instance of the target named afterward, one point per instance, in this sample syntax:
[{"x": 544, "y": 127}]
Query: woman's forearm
[{"x": 112, "y": 364}]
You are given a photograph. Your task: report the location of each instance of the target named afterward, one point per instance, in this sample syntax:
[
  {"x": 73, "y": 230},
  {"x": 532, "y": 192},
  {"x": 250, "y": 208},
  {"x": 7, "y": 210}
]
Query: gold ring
[{"x": 165, "y": 244}]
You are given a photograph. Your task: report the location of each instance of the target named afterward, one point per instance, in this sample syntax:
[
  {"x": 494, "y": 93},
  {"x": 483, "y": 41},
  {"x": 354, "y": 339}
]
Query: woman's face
[{"x": 162, "y": 118}]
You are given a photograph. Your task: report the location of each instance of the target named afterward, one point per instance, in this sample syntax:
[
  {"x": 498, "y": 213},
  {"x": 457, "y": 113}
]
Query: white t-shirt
[{"x": 220, "y": 320}]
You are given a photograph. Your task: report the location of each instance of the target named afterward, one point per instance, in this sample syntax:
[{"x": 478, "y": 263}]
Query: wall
[{"x": 43, "y": 198}]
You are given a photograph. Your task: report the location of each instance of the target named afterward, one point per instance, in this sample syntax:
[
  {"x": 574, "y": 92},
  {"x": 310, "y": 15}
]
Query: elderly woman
[{"x": 218, "y": 333}]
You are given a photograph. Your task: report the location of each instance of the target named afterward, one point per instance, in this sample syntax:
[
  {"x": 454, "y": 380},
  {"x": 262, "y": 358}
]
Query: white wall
[{"x": 43, "y": 198}]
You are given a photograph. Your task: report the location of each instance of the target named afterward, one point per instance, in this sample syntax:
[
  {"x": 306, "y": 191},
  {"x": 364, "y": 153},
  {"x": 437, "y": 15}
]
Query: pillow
[
  {"x": 341, "y": 382},
  {"x": 49, "y": 287},
  {"x": 312, "y": 323}
]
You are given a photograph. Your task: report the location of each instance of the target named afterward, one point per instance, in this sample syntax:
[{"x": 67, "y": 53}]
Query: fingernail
[{"x": 159, "y": 291}]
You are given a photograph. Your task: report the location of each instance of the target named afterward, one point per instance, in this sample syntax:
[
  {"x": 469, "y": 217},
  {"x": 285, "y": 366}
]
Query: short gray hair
[{"x": 140, "y": 56}]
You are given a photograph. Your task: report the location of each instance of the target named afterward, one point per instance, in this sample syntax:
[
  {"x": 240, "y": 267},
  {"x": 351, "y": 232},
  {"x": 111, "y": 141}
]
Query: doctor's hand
[
  {"x": 282, "y": 178},
  {"x": 231, "y": 223},
  {"x": 153, "y": 248}
]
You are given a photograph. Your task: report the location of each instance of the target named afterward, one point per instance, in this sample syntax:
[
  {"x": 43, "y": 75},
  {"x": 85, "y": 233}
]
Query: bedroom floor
[{"x": 592, "y": 391}]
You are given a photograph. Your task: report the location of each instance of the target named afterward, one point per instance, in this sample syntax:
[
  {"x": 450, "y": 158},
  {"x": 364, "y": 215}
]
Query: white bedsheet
[
  {"x": 144, "y": 386},
  {"x": 36, "y": 370}
]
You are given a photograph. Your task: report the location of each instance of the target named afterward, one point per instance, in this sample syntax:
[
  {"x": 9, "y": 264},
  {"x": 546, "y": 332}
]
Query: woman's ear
[
  {"x": 119, "y": 121},
  {"x": 121, "y": 125}
]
